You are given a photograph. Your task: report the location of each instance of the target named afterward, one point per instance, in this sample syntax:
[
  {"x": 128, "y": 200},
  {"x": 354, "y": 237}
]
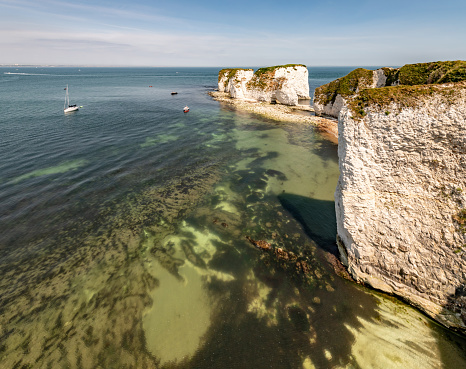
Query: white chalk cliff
[
  {"x": 359, "y": 79},
  {"x": 330, "y": 98},
  {"x": 282, "y": 84},
  {"x": 401, "y": 196},
  {"x": 233, "y": 81}
]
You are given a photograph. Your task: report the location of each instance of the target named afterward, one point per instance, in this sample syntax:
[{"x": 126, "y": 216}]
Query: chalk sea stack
[{"x": 284, "y": 84}]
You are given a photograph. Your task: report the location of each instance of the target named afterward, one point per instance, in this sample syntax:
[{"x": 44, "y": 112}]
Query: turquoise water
[{"x": 123, "y": 234}]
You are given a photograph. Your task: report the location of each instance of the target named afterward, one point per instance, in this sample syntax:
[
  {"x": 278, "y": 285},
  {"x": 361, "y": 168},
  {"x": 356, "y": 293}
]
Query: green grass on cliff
[
  {"x": 408, "y": 75},
  {"x": 401, "y": 96},
  {"x": 345, "y": 86},
  {"x": 266, "y": 70},
  {"x": 432, "y": 73},
  {"x": 392, "y": 76}
]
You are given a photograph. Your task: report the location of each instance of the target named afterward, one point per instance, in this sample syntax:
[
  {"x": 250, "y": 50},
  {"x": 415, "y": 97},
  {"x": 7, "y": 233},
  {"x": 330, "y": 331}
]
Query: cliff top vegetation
[
  {"x": 274, "y": 68},
  {"x": 403, "y": 96},
  {"x": 345, "y": 86},
  {"x": 429, "y": 73},
  {"x": 408, "y": 75}
]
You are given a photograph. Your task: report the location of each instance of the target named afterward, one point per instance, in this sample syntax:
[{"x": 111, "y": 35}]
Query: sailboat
[{"x": 68, "y": 108}]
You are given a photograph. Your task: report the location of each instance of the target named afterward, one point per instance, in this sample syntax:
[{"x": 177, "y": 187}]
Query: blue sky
[{"x": 231, "y": 33}]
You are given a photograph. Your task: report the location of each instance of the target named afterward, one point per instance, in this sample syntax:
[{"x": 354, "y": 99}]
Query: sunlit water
[{"x": 123, "y": 234}]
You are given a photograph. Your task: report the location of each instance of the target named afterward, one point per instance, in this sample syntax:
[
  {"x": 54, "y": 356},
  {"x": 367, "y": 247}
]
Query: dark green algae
[{"x": 82, "y": 305}]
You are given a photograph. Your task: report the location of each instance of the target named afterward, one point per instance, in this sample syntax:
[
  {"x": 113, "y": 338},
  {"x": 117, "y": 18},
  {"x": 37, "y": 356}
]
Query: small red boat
[{"x": 185, "y": 109}]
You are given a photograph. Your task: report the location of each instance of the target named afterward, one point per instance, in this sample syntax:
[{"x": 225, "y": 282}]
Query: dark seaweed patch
[
  {"x": 298, "y": 318},
  {"x": 276, "y": 173}
]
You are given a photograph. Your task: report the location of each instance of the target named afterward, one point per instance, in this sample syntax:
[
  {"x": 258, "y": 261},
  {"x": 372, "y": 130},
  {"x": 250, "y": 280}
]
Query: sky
[{"x": 235, "y": 33}]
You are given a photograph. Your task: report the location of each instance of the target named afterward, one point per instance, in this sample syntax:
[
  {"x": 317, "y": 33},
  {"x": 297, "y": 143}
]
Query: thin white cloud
[
  {"x": 49, "y": 33},
  {"x": 100, "y": 16}
]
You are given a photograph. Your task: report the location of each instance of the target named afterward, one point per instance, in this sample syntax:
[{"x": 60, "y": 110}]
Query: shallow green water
[{"x": 123, "y": 237}]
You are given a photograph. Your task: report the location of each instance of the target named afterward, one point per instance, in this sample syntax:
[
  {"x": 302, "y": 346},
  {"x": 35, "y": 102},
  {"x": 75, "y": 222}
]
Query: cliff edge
[
  {"x": 330, "y": 98},
  {"x": 401, "y": 196}
]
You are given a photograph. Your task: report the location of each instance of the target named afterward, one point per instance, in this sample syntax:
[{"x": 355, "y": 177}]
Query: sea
[{"x": 129, "y": 233}]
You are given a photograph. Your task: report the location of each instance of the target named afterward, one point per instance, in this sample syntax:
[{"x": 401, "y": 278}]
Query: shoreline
[{"x": 282, "y": 113}]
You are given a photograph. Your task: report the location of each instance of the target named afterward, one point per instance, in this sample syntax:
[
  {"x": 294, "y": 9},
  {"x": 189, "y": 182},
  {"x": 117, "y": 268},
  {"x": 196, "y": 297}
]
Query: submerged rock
[
  {"x": 299, "y": 266},
  {"x": 260, "y": 244}
]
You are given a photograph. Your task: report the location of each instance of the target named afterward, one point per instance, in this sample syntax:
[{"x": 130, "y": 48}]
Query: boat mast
[{"x": 67, "y": 99}]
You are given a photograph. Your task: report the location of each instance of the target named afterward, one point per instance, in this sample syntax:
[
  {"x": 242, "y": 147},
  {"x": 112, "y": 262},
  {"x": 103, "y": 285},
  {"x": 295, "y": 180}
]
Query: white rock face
[
  {"x": 400, "y": 201},
  {"x": 379, "y": 79},
  {"x": 284, "y": 85},
  {"x": 236, "y": 85},
  {"x": 331, "y": 109}
]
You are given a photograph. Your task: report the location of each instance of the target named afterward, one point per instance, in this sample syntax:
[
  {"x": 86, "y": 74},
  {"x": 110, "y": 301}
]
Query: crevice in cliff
[{"x": 342, "y": 250}]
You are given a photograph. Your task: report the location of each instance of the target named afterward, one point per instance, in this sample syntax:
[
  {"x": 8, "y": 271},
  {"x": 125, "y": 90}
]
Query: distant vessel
[
  {"x": 68, "y": 108},
  {"x": 174, "y": 93},
  {"x": 186, "y": 109}
]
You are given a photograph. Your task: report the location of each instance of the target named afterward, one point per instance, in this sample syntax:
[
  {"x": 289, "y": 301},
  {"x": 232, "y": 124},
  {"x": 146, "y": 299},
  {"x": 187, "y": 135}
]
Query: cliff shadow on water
[
  {"x": 317, "y": 218},
  {"x": 451, "y": 345},
  {"x": 456, "y": 339},
  {"x": 270, "y": 315}
]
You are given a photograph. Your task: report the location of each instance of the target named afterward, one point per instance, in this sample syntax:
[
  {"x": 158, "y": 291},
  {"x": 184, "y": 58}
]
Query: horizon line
[{"x": 158, "y": 66}]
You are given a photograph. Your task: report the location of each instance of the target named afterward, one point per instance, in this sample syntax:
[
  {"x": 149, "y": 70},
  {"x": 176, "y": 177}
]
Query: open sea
[{"x": 124, "y": 233}]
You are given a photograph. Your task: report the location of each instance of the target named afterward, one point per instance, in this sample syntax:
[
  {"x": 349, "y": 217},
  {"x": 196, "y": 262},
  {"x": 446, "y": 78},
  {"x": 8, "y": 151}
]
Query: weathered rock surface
[
  {"x": 330, "y": 98},
  {"x": 401, "y": 196},
  {"x": 233, "y": 81},
  {"x": 283, "y": 84}
]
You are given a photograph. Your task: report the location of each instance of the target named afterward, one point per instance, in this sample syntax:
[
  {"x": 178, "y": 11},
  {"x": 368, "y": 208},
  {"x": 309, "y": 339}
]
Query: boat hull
[{"x": 69, "y": 109}]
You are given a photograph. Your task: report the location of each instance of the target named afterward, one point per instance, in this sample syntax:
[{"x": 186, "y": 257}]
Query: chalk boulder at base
[
  {"x": 281, "y": 84},
  {"x": 401, "y": 196}
]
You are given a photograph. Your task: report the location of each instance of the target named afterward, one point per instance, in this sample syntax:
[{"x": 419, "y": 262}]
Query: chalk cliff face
[
  {"x": 282, "y": 84},
  {"x": 401, "y": 196},
  {"x": 234, "y": 81},
  {"x": 330, "y": 98}
]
